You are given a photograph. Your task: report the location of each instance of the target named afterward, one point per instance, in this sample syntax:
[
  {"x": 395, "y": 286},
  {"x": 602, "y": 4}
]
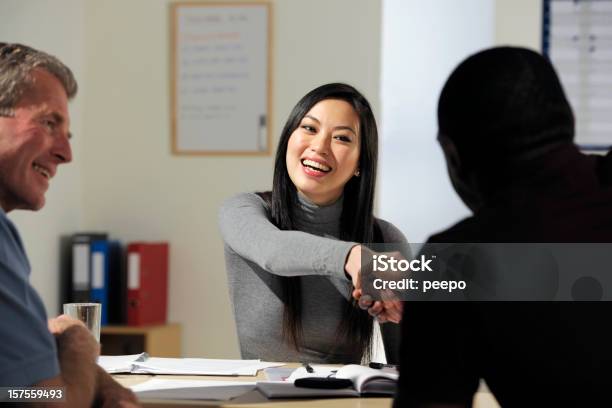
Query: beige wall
[
  {"x": 519, "y": 23},
  {"x": 136, "y": 189},
  {"x": 55, "y": 26},
  {"x": 124, "y": 179}
]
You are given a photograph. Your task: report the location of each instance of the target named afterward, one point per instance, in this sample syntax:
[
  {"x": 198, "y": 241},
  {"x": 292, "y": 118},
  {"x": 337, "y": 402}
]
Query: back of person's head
[
  {"x": 503, "y": 106},
  {"x": 17, "y": 62}
]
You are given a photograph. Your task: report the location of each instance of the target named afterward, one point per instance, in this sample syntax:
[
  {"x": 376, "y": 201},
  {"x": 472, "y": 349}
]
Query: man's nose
[{"x": 62, "y": 149}]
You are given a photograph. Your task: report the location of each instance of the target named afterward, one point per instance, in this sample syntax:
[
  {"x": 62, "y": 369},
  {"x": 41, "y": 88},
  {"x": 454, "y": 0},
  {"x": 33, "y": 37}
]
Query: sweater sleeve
[{"x": 248, "y": 231}]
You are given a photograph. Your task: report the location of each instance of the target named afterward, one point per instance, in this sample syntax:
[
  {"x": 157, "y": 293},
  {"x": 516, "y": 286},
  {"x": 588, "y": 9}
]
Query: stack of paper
[
  {"x": 191, "y": 389},
  {"x": 120, "y": 364},
  {"x": 200, "y": 366},
  {"x": 143, "y": 364}
]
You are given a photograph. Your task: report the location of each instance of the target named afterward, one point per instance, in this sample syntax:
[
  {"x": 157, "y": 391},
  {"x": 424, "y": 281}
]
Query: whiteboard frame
[{"x": 174, "y": 7}]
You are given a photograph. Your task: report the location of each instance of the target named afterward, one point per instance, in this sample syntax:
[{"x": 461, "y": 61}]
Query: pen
[
  {"x": 308, "y": 367},
  {"x": 378, "y": 366}
]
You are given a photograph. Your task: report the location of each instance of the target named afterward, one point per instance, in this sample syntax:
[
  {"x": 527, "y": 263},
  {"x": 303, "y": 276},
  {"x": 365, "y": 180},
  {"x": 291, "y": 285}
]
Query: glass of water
[{"x": 89, "y": 313}]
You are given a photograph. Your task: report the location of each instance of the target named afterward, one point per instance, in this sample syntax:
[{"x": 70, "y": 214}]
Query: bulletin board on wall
[
  {"x": 577, "y": 37},
  {"x": 221, "y": 78}
]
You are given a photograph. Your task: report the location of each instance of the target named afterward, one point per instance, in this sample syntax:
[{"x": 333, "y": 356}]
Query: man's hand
[
  {"x": 389, "y": 309},
  {"x": 109, "y": 393},
  {"x": 60, "y": 324},
  {"x": 77, "y": 351}
]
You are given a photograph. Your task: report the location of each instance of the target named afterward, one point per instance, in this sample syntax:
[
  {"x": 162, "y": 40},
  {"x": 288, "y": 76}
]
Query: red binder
[{"x": 147, "y": 296}]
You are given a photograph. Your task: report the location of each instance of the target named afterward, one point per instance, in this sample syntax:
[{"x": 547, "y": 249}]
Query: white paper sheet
[
  {"x": 191, "y": 389},
  {"x": 321, "y": 371},
  {"x": 119, "y": 364},
  {"x": 278, "y": 373},
  {"x": 200, "y": 366}
]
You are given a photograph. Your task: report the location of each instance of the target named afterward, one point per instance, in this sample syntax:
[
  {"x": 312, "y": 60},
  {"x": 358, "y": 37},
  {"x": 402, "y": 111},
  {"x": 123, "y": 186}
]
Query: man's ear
[
  {"x": 462, "y": 179},
  {"x": 453, "y": 161}
]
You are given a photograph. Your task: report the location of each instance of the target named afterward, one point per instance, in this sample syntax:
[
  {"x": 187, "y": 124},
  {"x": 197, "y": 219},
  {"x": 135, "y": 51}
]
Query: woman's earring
[{"x": 357, "y": 173}]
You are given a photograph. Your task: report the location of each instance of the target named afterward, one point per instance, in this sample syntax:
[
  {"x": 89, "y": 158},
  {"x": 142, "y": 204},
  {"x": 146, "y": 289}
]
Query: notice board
[
  {"x": 577, "y": 37},
  {"x": 221, "y": 81}
]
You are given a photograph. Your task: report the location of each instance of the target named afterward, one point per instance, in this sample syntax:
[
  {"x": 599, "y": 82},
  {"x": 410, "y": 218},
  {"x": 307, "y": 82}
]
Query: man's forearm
[
  {"x": 77, "y": 352},
  {"x": 109, "y": 393}
]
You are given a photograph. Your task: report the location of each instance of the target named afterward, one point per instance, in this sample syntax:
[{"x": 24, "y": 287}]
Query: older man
[{"x": 34, "y": 140}]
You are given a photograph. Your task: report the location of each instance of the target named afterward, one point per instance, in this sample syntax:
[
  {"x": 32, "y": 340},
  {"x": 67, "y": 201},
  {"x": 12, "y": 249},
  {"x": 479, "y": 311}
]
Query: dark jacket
[{"x": 529, "y": 353}]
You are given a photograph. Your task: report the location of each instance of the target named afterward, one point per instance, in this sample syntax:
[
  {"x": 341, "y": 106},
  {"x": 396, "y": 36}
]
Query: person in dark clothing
[{"x": 507, "y": 131}]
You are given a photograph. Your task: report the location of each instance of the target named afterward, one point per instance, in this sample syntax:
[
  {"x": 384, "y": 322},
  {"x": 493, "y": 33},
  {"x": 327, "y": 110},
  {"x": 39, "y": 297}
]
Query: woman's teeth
[{"x": 316, "y": 165}]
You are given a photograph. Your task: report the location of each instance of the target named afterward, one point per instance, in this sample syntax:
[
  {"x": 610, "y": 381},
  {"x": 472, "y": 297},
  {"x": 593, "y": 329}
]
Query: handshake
[{"x": 389, "y": 308}]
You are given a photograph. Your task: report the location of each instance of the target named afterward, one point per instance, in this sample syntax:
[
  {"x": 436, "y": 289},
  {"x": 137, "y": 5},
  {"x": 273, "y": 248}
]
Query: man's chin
[{"x": 34, "y": 204}]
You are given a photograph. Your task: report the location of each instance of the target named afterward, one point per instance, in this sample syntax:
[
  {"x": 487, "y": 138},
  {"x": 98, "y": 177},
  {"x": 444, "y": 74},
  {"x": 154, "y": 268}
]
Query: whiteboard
[
  {"x": 577, "y": 36},
  {"x": 221, "y": 78}
]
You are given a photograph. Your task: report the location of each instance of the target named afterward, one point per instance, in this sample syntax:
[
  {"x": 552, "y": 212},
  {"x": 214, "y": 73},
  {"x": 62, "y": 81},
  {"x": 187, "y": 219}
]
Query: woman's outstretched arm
[{"x": 247, "y": 230}]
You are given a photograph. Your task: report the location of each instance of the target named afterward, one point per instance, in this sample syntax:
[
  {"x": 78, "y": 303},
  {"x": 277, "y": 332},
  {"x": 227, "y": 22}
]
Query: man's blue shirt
[{"x": 27, "y": 349}]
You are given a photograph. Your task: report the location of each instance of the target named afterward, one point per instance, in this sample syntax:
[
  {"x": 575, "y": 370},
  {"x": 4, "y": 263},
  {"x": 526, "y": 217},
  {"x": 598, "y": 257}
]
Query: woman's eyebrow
[
  {"x": 341, "y": 127},
  {"x": 345, "y": 128},
  {"x": 313, "y": 118}
]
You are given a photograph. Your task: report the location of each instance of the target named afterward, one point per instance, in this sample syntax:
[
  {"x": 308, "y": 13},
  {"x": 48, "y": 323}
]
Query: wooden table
[
  {"x": 251, "y": 399},
  {"x": 254, "y": 399}
]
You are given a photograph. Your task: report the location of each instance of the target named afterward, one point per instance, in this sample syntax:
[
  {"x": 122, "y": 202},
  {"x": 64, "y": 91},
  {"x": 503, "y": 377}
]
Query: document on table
[
  {"x": 143, "y": 364},
  {"x": 120, "y": 364},
  {"x": 200, "y": 366},
  {"x": 191, "y": 389},
  {"x": 366, "y": 381}
]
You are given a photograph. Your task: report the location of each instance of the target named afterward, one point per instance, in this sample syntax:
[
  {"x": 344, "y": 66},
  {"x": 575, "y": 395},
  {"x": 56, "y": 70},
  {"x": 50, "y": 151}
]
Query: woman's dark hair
[{"x": 356, "y": 223}]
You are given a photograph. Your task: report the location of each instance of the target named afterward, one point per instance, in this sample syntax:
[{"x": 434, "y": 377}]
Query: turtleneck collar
[{"x": 316, "y": 219}]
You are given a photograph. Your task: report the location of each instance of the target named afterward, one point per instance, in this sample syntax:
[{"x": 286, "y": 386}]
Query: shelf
[{"x": 158, "y": 341}]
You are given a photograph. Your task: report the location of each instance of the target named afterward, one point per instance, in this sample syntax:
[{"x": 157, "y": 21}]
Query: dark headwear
[{"x": 502, "y": 105}]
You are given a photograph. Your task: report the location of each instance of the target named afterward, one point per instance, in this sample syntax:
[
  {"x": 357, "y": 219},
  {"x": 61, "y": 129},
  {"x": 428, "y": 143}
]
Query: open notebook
[
  {"x": 366, "y": 381},
  {"x": 143, "y": 364}
]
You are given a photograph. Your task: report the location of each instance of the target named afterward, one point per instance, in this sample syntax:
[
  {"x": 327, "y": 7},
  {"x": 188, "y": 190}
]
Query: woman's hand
[{"x": 389, "y": 309}]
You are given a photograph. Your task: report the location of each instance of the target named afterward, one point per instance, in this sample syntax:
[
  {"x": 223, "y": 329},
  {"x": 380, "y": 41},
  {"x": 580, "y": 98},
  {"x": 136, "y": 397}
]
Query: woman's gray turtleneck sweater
[{"x": 257, "y": 254}]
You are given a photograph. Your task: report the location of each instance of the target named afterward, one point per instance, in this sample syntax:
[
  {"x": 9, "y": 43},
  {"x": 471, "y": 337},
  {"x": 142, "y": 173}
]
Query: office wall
[
  {"x": 55, "y": 26},
  {"x": 136, "y": 189},
  {"x": 124, "y": 180},
  {"x": 422, "y": 44},
  {"x": 519, "y": 23}
]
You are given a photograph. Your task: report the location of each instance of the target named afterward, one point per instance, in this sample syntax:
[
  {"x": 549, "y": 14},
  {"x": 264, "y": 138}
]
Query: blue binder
[
  {"x": 106, "y": 280},
  {"x": 99, "y": 278}
]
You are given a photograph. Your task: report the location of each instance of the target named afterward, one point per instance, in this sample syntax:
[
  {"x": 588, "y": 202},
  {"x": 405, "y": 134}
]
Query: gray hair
[{"x": 17, "y": 62}]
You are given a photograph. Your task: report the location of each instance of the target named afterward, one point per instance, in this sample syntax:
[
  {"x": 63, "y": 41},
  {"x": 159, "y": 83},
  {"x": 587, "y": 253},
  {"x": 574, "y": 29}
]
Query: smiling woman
[
  {"x": 290, "y": 252},
  {"x": 323, "y": 152}
]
